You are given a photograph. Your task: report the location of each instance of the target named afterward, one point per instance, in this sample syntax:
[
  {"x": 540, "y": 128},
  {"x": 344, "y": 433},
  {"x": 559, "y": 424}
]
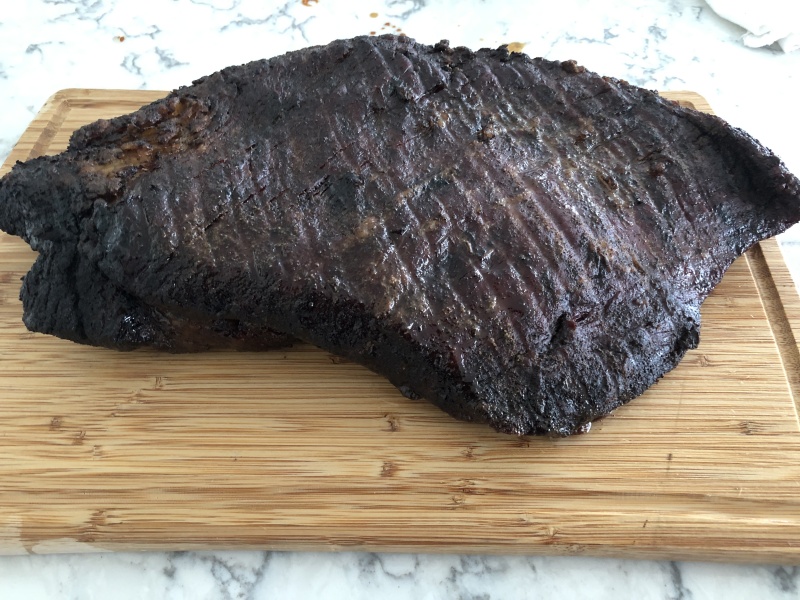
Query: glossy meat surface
[{"x": 521, "y": 242}]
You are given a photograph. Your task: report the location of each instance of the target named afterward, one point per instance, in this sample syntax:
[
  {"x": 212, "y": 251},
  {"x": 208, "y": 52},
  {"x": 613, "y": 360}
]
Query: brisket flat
[{"x": 520, "y": 241}]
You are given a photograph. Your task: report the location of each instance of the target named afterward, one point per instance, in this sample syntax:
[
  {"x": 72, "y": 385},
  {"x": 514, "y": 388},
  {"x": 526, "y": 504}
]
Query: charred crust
[
  {"x": 572, "y": 67},
  {"x": 505, "y": 240}
]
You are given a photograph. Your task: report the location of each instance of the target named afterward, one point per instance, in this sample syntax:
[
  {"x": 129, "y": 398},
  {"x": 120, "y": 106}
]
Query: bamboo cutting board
[{"x": 297, "y": 449}]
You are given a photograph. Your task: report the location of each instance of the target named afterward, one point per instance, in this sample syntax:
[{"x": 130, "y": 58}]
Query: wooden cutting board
[{"x": 297, "y": 449}]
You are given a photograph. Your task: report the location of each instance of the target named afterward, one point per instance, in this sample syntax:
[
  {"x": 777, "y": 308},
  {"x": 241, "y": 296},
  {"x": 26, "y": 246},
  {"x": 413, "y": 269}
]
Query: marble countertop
[{"x": 47, "y": 45}]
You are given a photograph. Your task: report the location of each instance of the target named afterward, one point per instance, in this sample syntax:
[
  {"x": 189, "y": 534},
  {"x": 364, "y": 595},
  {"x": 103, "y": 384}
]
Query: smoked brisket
[{"x": 522, "y": 242}]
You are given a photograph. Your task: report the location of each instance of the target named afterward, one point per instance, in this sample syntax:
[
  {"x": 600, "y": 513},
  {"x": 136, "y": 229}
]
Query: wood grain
[{"x": 300, "y": 450}]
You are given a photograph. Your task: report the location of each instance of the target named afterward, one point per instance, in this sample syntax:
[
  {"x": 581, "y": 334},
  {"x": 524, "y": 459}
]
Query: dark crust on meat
[{"x": 522, "y": 242}]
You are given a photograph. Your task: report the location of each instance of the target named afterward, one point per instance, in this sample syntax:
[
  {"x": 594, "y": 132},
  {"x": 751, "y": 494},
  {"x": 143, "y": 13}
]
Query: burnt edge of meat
[
  {"x": 65, "y": 293},
  {"x": 522, "y": 242}
]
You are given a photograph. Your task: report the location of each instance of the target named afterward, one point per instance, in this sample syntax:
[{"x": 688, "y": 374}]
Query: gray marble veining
[{"x": 350, "y": 576}]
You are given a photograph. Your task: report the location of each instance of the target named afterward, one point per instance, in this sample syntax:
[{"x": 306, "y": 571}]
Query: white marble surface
[{"x": 46, "y": 45}]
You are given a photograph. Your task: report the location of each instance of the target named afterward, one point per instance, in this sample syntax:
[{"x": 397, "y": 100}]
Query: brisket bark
[{"x": 520, "y": 241}]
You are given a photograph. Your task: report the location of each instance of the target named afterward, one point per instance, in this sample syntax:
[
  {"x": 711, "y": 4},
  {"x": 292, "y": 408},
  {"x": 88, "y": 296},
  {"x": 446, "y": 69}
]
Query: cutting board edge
[
  {"x": 53, "y": 110},
  {"x": 781, "y": 303},
  {"x": 766, "y": 554}
]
